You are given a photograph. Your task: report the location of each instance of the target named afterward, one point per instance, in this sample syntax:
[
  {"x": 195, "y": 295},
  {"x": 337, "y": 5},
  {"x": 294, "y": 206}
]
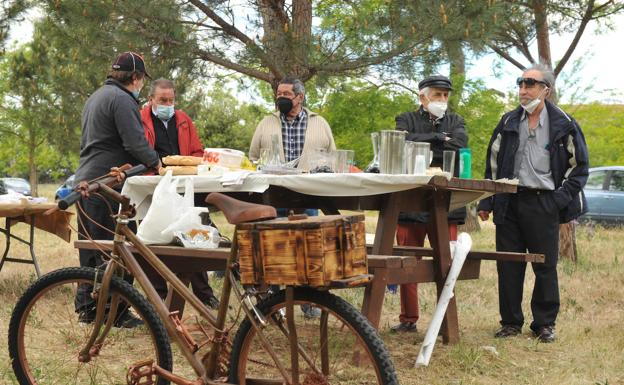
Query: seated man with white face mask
[{"x": 443, "y": 131}]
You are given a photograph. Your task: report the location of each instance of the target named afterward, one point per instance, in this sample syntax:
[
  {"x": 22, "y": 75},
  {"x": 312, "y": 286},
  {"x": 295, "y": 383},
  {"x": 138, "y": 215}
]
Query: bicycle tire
[
  {"x": 247, "y": 356},
  {"x": 45, "y": 335}
]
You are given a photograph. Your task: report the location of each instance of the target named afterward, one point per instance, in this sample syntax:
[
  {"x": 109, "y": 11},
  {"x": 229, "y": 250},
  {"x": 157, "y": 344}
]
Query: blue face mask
[
  {"x": 135, "y": 94},
  {"x": 163, "y": 112}
]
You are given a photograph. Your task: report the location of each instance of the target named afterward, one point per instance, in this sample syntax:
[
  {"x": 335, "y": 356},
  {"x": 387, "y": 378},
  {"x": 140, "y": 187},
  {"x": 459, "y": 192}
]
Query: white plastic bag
[
  {"x": 189, "y": 230},
  {"x": 166, "y": 208}
]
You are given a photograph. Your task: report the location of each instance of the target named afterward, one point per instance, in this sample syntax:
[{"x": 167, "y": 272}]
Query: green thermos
[{"x": 465, "y": 163}]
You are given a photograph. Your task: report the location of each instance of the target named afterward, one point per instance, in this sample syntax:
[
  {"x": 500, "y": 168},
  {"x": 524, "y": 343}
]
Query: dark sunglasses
[{"x": 530, "y": 82}]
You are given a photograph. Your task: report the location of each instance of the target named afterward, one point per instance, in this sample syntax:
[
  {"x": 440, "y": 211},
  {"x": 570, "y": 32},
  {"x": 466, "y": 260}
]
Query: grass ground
[{"x": 589, "y": 349}]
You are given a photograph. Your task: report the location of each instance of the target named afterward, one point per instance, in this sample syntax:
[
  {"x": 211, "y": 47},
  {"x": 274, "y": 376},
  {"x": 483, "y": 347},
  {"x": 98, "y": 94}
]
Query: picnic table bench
[{"x": 182, "y": 261}]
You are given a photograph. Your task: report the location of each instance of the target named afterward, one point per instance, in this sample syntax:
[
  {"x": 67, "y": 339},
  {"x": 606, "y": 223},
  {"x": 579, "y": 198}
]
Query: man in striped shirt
[{"x": 298, "y": 130}]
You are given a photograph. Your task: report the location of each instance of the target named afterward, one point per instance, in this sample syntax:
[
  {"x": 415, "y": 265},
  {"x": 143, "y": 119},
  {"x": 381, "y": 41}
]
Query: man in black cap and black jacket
[
  {"x": 112, "y": 135},
  {"x": 444, "y": 131}
]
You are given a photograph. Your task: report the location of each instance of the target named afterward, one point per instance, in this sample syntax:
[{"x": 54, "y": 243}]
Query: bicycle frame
[{"x": 121, "y": 255}]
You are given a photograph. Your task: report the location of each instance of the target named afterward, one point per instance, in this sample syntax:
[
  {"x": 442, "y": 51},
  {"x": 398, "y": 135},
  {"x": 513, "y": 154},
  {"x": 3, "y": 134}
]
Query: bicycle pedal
[
  {"x": 141, "y": 373},
  {"x": 183, "y": 331}
]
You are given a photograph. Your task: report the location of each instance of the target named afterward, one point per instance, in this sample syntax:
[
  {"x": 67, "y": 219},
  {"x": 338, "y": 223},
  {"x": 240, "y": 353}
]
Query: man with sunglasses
[{"x": 544, "y": 148}]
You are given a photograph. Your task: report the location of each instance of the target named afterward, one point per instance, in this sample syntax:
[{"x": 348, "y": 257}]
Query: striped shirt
[{"x": 293, "y": 134}]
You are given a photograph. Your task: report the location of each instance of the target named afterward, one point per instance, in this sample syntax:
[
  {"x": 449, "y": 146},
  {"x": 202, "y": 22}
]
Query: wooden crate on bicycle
[{"x": 313, "y": 251}]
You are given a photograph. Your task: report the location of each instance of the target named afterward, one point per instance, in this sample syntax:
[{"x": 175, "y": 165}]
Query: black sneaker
[
  {"x": 212, "y": 302},
  {"x": 128, "y": 321},
  {"x": 545, "y": 334},
  {"x": 310, "y": 312},
  {"x": 508, "y": 331},
  {"x": 86, "y": 317},
  {"x": 404, "y": 327}
]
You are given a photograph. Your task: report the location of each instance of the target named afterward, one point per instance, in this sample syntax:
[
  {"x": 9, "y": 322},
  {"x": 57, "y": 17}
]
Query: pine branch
[
  {"x": 506, "y": 56},
  {"x": 577, "y": 36},
  {"x": 260, "y": 75},
  {"x": 363, "y": 61},
  {"x": 231, "y": 30}
]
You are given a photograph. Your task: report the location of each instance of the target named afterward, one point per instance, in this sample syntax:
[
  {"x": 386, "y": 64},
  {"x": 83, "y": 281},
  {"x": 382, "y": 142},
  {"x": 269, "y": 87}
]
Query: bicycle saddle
[{"x": 236, "y": 211}]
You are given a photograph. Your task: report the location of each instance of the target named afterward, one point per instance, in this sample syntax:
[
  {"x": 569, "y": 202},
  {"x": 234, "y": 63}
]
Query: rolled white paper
[{"x": 461, "y": 249}]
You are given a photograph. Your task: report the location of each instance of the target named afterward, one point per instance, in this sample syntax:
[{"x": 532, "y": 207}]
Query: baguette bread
[
  {"x": 182, "y": 160},
  {"x": 179, "y": 170}
]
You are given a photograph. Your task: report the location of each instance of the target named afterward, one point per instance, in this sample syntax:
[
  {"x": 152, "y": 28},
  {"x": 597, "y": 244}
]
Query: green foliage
[
  {"x": 45, "y": 83},
  {"x": 481, "y": 109},
  {"x": 221, "y": 120},
  {"x": 354, "y": 111},
  {"x": 603, "y": 126},
  {"x": 29, "y": 106}
]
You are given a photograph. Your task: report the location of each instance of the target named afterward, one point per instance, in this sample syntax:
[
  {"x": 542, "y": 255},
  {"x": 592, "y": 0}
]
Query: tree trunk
[
  {"x": 541, "y": 27},
  {"x": 540, "y": 14},
  {"x": 472, "y": 220},
  {"x": 457, "y": 59},
  {"x": 567, "y": 238},
  {"x": 567, "y": 241},
  {"x": 301, "y": 35},
  {"x": 32, "y": 165}
]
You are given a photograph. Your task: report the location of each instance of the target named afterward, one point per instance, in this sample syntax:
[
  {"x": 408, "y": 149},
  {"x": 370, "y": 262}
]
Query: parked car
[
  {"x": 16, "y": 185},
  {"x": 605, "y": 195},
  {"x": 65, "y": 188}
]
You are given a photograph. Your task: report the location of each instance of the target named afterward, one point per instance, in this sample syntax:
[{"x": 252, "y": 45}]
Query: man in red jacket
[
  {"x": 169, "y": 131},
  {"x": 172, "y": 132}
]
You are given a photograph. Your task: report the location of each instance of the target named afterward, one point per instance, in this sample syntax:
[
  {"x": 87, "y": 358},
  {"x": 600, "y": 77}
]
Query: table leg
[
  {"x": 439, "y": 239},
  {"x": 7, "y": 233},
  {"x": 384, "y": 240},
  {"x": 31, "y": 245},
  {"x": 374, "y": 296}
]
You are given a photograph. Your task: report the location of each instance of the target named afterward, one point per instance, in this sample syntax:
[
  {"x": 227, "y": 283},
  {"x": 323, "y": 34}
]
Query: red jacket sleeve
[{"x": 188, "y": 139}]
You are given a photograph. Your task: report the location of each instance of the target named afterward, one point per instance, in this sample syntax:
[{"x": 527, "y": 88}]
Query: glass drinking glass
[
  {"x": 392, "y": 152},
  {"x": 448, "y": 162},
  {"x": 343, "y": 160}
]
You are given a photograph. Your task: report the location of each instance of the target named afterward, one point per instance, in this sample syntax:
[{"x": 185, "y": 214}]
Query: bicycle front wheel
[
  {"x": 45, "y": 335},
  {"x": 339, "y": 346}
]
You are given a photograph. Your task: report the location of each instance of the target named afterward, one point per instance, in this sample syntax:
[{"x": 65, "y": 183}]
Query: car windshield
[{"x": 16, "y": 184}]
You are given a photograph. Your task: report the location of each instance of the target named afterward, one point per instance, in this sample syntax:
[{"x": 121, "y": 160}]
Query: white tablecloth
[{"x": 140, "y": 188}]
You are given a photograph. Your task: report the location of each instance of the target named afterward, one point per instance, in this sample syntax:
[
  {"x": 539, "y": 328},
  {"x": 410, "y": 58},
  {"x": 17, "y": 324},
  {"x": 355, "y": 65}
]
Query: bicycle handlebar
[{"x": 110, "y": 181}]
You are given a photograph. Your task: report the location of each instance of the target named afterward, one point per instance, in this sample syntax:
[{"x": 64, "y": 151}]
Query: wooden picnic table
[
  {"x": 392, "y": 195},
  {"x": 37, "y": 215},
  {"x": 390, "y": 264}
]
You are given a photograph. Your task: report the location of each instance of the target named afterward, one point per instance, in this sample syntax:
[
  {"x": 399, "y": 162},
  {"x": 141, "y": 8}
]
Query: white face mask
[
  {"x": 437, "y": 109},
  {"x": 532, "y": 105}
]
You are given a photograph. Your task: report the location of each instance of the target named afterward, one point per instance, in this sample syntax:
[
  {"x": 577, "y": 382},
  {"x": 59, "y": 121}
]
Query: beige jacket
[{"x": 318, "y": 135}]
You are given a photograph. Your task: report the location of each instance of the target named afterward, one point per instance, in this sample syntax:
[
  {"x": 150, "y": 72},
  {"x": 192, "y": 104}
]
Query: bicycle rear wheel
[
  {"x": 45, "y": 335},
  {"x": 339, "y": 347}
]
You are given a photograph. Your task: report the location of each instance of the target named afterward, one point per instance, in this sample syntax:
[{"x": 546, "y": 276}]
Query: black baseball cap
[
  {"x": 436, "y": 81},
  {"x": 130, "y": 61}
]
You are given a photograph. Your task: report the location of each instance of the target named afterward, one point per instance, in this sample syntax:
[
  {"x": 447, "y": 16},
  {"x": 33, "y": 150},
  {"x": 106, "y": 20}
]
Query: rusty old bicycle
[{"x": 273, "y": 344}]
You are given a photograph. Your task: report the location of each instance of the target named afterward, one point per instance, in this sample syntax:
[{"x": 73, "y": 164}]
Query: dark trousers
[
  {"x": 413, "y": 234},
  {"x": 531, "y": 224},
  {"x": 199, "y": 284},
  {"x": 97, "y": 209}
]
